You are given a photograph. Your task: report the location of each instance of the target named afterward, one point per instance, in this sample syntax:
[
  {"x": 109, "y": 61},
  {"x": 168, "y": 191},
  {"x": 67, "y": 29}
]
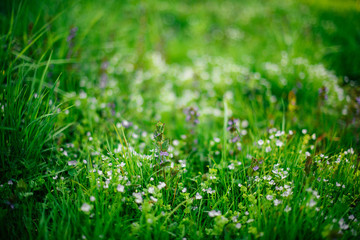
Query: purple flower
[
  {"x": 235, "y": 139},
  {"x": 256, "y": 168},
  {"x": 164, "y": 153},
  {"x": 358, "y": 100}
]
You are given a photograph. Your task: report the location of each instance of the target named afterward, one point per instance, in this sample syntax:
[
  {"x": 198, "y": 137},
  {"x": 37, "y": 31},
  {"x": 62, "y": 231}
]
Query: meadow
[{"x": 180, "y": 119}]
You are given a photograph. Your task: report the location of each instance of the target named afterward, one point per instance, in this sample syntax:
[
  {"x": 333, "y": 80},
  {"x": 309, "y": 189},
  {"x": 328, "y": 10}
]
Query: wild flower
[
  {"x": 287, "y": 208},
  {"x": 192, "y": 115},
  {"x": 72, "y": 163},
  {"x": 198, "y": 196},
  {"x": 92, "y": 199},
  {"x": 153, "y": 199},
  {"x": 138, "y": 197},
  {"x": 120, "y": 188},
  {"x": 161, "y": 185},
  {"x": 85, "y": 207},
  {"x": 269, "y": 197},
  {"x": 214, "y": 213},
  {"x": 161, "y": 142},
  {"x": 277, "y": 202},
  {"x": 151, "y": 190},
  {"x": 312, "y": 203},
  {"x": 231, "y": 166}
]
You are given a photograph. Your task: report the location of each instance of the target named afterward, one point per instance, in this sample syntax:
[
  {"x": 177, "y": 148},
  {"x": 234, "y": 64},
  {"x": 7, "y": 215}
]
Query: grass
[{"x": 172, "y": 120}]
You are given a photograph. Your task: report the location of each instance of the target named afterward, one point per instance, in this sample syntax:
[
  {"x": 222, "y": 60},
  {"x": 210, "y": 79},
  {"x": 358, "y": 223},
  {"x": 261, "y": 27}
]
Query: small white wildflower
[
  {"x": 120, "y": 188},
  {"x": 161, "y": 185},
  {"x": 198, "y": 196},
  {"x": 304, "y": 131},
  {"x": 312, "y": 203},
  {"x": 214, "y": 213},
  {"x": 72, "y": 163},
  {"x": 287, "y": 208},
  {"x": 231, "y": 166},
  {"x": 238, "y": 225},
  {"x": 260, "y": 142},
  {"x": 279, "y": 143},
  {"x": 184, "y": 190},
  {"x": 153, "y": 199},
  {"x": 151, "y": 190},
  {"x": 277, "y": 202},
  {"x": 92, "y": 199},
  {"x": 250, "y": 220},
  {"x": 85, "y": 207},
  {"x": 269, "y": 197}
]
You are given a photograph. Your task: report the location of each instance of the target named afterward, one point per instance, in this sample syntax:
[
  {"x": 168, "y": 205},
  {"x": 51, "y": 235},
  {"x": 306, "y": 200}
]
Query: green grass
[{"x": 179, "y": 119}]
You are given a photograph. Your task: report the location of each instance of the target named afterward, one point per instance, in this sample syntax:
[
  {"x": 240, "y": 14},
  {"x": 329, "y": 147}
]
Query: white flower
[
  {"x": 182, "y": 163},
  {"x": 304, "y": 131},
  {"x": 269, "y": 197},
  {"x": 287, "y": 208},
  {"x": 277, "y": 202},
  {"x": 267, "y": 149},
  {"x": 161, "y": 185},
  {"x": 238, "y": 225},
  {"x": 138, "y": 198},
  {"x": 122, "y": 164},
  {"x": 72, "y": 163},
  {"x": 279, "y": 143},
  {"x": 231, "y": 166},
  {"x": 92, "y": 199},
  {"x": 151, "y": 190},
  {"x": 338, "y": 184},
  {"x": 86, "y": 207},
  {"x": 312, "y": 203},
  {"x": 120, "y": 188},
  {"x": 198, "y": 196},
  {"x": 214, "y": 213},
  {"x": 250, "y": 220},
  {"x": 260, "y": 142},
  {"x": 244, "y": 124},
  {"x": 153, "y": 199},
  {"x": 184, "y": 190}
]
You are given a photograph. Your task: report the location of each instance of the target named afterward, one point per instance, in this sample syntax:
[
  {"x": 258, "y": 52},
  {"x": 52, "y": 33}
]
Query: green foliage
[{"x": 259, "y": 98}]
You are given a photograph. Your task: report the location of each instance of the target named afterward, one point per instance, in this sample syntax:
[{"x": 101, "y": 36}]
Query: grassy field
[{"x": 180, "y": 119}]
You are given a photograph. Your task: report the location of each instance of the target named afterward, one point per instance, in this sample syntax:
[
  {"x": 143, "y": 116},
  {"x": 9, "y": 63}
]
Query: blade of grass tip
[
  {"x": 29, "y": 45},
  {"x": 223, "y": 158},
  {"x": 117, "y": 133},
  {"x": 44, "y": 72},
  {"x": 11, "y": 22},
  {"x": 36, "y": 67}
]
